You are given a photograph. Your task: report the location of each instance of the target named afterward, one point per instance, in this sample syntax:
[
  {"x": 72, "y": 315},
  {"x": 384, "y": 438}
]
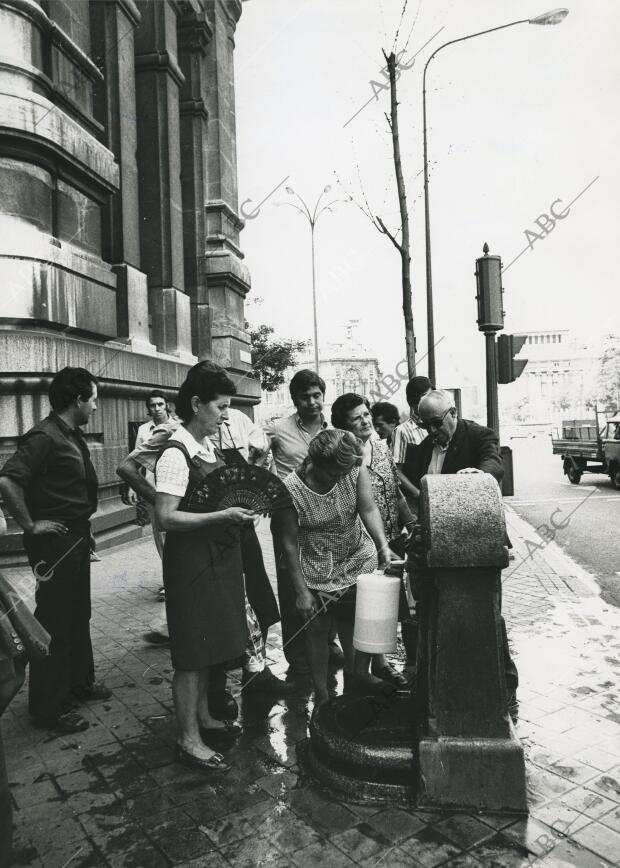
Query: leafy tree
[
  {"x": 609, "y": 375},
  {"x": 271, "y": 357}
]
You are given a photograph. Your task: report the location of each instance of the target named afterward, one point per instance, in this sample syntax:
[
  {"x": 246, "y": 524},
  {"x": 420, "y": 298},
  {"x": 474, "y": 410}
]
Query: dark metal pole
[
  {"x": 314, "y": 312},
  {"x": 430, "y": 325},
  {"x": 492, "y": 403}
]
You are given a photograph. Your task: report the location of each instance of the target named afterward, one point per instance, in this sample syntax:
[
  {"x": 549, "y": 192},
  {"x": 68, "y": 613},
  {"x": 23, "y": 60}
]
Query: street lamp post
[
  {"x": 312, "y": 218},
  {"x": 553, "y": 17}
]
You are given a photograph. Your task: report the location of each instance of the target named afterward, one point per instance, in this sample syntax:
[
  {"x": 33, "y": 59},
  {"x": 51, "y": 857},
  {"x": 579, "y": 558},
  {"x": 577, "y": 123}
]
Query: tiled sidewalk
[{"x": 112, "y": 796}]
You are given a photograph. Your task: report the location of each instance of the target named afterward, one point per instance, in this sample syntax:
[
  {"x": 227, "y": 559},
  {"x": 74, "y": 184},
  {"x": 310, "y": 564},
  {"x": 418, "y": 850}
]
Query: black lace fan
[{"x": 241, "y": 485}]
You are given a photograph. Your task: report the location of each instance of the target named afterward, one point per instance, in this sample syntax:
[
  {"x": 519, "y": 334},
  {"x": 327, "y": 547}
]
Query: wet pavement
[{"x": 112, "y": 795}]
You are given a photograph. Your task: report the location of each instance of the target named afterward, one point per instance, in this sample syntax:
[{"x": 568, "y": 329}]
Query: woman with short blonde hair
[{"x": 332, "y": 535}]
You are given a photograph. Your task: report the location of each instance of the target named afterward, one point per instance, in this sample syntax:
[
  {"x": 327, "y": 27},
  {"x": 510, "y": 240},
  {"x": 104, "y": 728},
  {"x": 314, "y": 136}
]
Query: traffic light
[
  {"x": 489, "y": 292},
  {"x": 509, "y": 368}
]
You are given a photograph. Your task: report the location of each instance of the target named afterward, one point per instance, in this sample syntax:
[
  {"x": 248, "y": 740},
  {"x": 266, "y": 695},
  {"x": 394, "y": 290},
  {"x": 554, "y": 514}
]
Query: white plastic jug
[{"x": 376, "y": 613}]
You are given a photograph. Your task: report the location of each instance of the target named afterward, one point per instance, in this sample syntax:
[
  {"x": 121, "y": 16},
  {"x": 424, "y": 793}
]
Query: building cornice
[
  {"x": 160, "y": 61},
  {"x": 195, "y": 31},
  {"x": 216, "y": 205},
  {"x": 130, "y": 8},
  {"x": 58, "y": 37},
  {"x": 195, "y": 107}
]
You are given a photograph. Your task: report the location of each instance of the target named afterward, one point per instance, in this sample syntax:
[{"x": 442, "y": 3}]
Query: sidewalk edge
[{"x": 557, "y": 559}]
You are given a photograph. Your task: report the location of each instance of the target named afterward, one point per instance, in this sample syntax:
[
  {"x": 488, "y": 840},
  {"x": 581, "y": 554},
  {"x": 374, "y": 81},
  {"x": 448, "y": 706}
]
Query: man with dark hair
[
  {"x": 385, "y": 418},
  {"x": 290, "y": 438},
  {"x": 157, "y": 408},
  {"x": 50, "y": 487}
]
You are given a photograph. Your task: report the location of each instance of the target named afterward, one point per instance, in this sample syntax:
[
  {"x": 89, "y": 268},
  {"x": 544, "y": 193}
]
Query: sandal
[
  {"x": 392, "y": 676},
  {"x": 215, "y": 763}
]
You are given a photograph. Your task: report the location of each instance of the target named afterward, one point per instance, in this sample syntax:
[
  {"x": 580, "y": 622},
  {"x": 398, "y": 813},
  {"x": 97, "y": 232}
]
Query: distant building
[
  {"x": 560, "y": 376},
  {"x": 346, "y": 367}
]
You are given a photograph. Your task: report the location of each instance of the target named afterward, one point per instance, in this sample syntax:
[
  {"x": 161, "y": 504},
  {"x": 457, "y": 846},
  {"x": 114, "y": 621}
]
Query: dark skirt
[
  {"x": 205, "y": 600},
  {"x": 257, "y": 584}
]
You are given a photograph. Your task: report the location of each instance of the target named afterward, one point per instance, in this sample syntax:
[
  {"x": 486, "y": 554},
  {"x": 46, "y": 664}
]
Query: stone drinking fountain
[{"x": 450, "y": 743}]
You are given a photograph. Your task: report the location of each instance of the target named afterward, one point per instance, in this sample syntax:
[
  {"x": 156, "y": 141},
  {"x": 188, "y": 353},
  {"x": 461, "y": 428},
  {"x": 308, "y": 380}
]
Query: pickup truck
[{"x": 587, "y": 447}]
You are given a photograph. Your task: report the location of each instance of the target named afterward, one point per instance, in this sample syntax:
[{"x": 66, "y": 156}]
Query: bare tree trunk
[{"x": 404, "y": 246}]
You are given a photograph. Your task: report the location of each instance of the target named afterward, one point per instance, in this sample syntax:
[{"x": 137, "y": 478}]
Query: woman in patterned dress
[
  {"x": 351, "y": 412},
  {"x": 333, "y": 535},
  {"x": 203, "y": 570}
]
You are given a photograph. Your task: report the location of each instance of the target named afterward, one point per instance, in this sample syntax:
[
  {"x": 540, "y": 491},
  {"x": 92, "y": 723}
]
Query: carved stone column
[
  {"x": 112, "y": 38},
  {"x": 194, "y": 33},
  {"x": 158, "y": 79},
  {"x": 227, "y": 276}
]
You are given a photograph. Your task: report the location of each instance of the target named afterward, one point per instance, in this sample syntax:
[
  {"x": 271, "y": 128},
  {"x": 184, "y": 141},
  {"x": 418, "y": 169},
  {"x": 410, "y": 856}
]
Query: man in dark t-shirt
[{"x": 50, "y": 487}]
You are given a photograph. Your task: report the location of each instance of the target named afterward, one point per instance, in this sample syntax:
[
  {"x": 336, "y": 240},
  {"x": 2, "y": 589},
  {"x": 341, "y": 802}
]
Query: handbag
[{"x": 20, "y": 632}]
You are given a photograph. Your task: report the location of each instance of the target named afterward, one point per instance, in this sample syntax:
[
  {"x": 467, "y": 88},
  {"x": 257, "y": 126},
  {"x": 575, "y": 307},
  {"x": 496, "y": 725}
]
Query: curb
[{"x": 557, "y": 559}]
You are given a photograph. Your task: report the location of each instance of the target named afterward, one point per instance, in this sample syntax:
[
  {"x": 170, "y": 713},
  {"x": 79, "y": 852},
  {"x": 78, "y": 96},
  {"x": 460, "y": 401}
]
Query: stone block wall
[{"x": 119, "y": 226}]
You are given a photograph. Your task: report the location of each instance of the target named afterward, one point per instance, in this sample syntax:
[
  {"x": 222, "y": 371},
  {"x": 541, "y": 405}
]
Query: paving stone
[
  {"x": 597, "y": 758},
  {"x": 287, "y": 831},
  {"x": 569, "y": 853},
  {"x": 391, "y": 857},
  {"x": 41, "y": 792},
  {"x": 589, "y": 802},
  {"x": 502, "y": 852},
  {"x": 395, "y": 825},
  {"x": 429, "y": 847},
  {"x": 358, "y": 845},
  {"x": 464, "y": 830},
  {"x": 128, "y": 847},
  {"x": 538, "y": 838},
  {"x": 560, "y": 817},
  {"x": 320, "y": 852},
  {"x": 601, "y": 840},
  {"x": 59, "y": 852},
  {"x": 213, "y": 859},
  {"x": 236, "y": 826},
  {"x": 253, "y": 851},
  {"x": 612, "y": 819},
  {"x": 278, "y": 782},
  {"x": 607, "y": 785},
  {"x": 326, "y": 816},
  {"x": 178, "y": 843}
]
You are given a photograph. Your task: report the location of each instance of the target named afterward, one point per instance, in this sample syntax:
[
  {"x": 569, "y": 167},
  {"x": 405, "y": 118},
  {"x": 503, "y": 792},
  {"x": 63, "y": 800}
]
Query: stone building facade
[{"x": 119, "y": 241}]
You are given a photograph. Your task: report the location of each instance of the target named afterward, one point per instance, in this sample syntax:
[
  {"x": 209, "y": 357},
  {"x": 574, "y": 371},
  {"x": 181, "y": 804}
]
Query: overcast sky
[{"x": 517, "y": 120}]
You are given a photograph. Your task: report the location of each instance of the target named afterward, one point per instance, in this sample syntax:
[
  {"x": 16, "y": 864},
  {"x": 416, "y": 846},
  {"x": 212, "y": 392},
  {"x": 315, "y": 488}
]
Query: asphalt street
[{"x": 584, "y": 517}]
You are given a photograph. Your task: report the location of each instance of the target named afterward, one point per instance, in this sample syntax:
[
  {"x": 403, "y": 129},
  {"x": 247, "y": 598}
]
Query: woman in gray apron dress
[{"x": 202, "y": 565}]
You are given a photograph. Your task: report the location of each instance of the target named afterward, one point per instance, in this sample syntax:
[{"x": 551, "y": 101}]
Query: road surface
[{"x": 543, "y": 495}]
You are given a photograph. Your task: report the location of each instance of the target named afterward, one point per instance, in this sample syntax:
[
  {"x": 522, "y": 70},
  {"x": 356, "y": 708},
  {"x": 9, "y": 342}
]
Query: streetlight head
[
  {"x": 290, "y": 191},
  {"x": 556, "y": 16},
  {"x": 327, "y": 189}
]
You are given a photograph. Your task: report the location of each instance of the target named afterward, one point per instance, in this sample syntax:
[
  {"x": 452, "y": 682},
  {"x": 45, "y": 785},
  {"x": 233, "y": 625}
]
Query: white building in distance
[
  {"x": 346, "y": 367},
  {"x": 559, "y": 380}
]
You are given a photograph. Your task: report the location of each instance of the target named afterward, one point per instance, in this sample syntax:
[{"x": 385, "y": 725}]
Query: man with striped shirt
[{"x": 407, "y": 433}]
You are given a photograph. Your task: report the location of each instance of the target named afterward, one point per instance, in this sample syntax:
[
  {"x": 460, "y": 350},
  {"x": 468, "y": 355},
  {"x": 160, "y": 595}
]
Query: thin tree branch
[{"x": 383, "y": 228}]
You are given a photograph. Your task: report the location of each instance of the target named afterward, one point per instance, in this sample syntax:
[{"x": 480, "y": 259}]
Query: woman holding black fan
[{"x": 202, "y": 566}]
